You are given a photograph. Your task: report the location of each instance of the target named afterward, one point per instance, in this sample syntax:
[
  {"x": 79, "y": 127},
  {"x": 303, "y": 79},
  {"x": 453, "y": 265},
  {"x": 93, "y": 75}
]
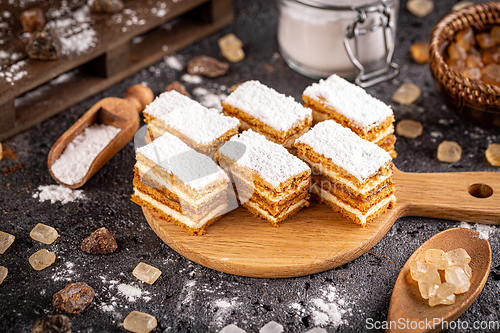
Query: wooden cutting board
[{"x": 316, "y": 239}]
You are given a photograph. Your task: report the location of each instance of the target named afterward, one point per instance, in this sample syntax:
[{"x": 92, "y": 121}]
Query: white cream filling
[
  {"x": 143, "y": 169},
  {"x": 279, "y": 197},
  {"x": 362, "y": 217},
  {"x": 347, "y": 183},
  {"x": 178, "y": 216},
  {"x": 269, "y": 216},
  {"x": 320, "y": 116}
]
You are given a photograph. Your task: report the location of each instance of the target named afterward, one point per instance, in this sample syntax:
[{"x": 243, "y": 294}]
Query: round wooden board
[
  {"x": 311, "y": 241},
  {"x": 316, "y": 239}
]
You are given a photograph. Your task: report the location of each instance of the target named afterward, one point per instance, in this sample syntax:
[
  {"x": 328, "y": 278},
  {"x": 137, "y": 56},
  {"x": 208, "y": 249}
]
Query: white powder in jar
[
  {"x": 312, "y": 38},
  {"x": 75, "y": 161}
]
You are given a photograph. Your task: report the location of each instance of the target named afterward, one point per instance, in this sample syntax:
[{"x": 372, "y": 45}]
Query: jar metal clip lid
[{"x": 390, "y": 70}]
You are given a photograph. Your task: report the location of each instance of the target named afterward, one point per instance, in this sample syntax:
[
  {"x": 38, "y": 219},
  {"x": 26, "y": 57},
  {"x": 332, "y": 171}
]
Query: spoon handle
[{"x": 461, "y": 196}]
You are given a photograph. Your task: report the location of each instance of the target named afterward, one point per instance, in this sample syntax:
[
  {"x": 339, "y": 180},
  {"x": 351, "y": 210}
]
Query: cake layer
[
  {"x": 356, "y": 159},
  {"x": 279, "y": 112},
  {"x": 275, "y": 166},
  {"x": 349, "y": 198},
  {"x": 167, "y": 214},
  {"x": 192, "y": 122},
  {"x": 259, "y": 212},
  {"x": 246, "y": 189},
  {"x": 349, "y": 100},
  {"x": 350, "y": 212},
  {"x": 286, "y": 139},
  {"x": 195, "y": 212},
  {"x": 340, "y": 177},
  {"x": 157, "y": 177}
]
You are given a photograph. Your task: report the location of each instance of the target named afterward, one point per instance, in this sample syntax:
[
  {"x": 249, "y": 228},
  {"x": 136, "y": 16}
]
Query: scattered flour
[
  {"x": 208, "y": 99},
  {"x": 130, "y": 292},
  {"x": 193, "y": 79},
  {"x": 224, "y": 308},
  {"x": 173, "y": 62},
  {"x": 14, "y": 72},
  {"x": 64, "y": 274},
  {"x": 485, "y": 230},
  {"x": 326, "y": 310},
  {"x": 54, "y": 193},
  {"x": 75, "y": 161}
]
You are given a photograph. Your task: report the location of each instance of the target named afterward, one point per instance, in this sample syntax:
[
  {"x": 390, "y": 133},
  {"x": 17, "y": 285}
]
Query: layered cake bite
[
  {"x": 179, "y": 184},
  {"x": 276, "y": 116},
  {"x": 271, "y": 183},
  {"x": 352, "y": 175},
  {"x": 200, "y": 128},
  {"x": 352, "y": 107}
]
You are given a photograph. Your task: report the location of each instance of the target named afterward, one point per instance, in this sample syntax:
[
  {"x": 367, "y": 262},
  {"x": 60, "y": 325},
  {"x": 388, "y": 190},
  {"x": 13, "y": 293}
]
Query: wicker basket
[{"x": 472, "y": 99}]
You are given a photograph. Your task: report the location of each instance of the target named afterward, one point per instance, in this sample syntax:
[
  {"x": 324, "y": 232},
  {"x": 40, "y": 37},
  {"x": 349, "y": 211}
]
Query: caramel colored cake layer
[
  {"x": 350, "y": 174},
  {"x": 276, "y": 116},
  {"x": 270, "y": 182},
  {"x": 350, "y": 106}
]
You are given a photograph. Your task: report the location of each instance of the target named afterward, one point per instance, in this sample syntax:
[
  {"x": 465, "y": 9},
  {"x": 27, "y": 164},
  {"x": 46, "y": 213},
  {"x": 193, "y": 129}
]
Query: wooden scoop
[
  {"x": 118, "y": 112},
  {"x": 409, "y": 307}
]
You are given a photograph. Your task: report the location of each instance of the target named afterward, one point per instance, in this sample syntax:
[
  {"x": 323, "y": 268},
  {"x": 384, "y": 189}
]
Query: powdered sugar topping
[
  {"x": 190, "y": 118},
  {"x": 269, "y": 106},
  {"x": 174, "y": 156},
  {"x": 359, "y": 157},
  {"x": 350, "y": 100},
  {"x": 75, "y": 161},
  {"x": 272, "y": 162}
]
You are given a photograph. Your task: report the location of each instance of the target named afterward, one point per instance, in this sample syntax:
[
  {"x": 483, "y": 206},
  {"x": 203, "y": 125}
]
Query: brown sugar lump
[
  {"x": 271, "y": 183},
  {"x": 181, "y": 185},
  {"x": 202, "y": 129},
  {"x": 276, "y": 116},
  {"x": 352, "y": 107},
  {"x": 352, "y": 175}
]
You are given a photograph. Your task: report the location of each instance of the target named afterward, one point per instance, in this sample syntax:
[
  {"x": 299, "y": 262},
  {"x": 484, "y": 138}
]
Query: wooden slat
[{"x": 113, "y": 59}]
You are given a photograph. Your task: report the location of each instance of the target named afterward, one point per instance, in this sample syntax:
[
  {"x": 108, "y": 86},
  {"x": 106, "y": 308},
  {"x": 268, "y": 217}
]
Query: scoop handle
[
  {"x": 140, "y": 96},
  {"x": 460, "y": 196}
]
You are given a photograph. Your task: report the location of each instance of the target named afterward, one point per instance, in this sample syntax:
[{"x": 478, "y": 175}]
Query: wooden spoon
[
  {"x": 407, "y": 306},
  {"x": 118, "y": 112}
]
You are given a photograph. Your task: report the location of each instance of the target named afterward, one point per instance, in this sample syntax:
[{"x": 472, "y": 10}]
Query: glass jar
[{"x": 354, "y": 39}]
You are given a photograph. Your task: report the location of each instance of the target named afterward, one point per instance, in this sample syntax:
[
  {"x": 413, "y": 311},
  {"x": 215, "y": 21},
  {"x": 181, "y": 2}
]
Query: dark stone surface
[{"x": 189, "y": 297}]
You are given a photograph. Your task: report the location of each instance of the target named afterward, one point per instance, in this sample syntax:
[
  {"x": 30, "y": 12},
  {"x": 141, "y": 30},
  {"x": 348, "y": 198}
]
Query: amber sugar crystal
[
  {"x": 139, "y": 322},
  {"x": 458, "y": 65},
  {"x": 3, "y": 273},
  {"x": 466, "y": 38},
  {"x": 420, "y": 52},
  {"x": 42, "y": 259},
  {"x": 44, "y": 233},
  {"x": 457, "y": 274},
  {"x": 485, "y": 41},
  {"x": 491, "y": 74},
  {"x": 6, "y": 241},
  {"x": 420, "y": 8},
  {"x": 456, "y": 51},
  {"x": 231, "y": 47},
  {"x": 474, "y": 60},
  {"x": 146, "y": 273},
  {"x": 407, "y": 93},
  {"x": 449, "y": 151},
  {"x": 473, "y": 73},
  {"x": 409, "y": 128},
  {"x": 491, "y": 56},
  {"x": 493, "y": 154}
]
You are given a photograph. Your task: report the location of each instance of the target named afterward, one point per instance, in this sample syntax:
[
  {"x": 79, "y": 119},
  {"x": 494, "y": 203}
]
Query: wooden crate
[{"x": 155, "y": 29}]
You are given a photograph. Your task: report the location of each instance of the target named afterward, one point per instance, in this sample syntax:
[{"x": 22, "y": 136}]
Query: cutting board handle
[{"x": 460, "y": 196}]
